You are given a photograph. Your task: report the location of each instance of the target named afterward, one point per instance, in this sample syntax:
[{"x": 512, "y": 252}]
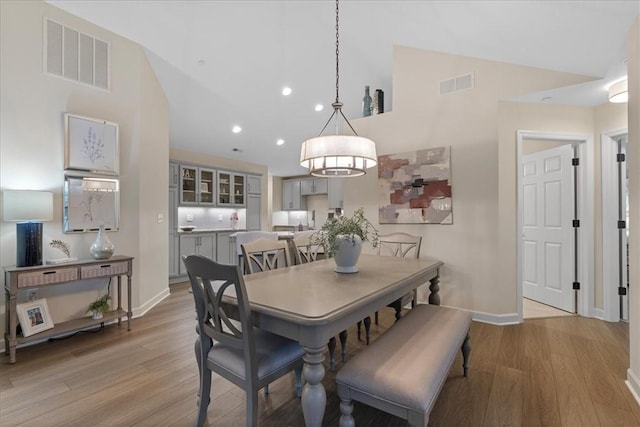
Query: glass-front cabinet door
[
  {"x": 188, "y": 191},
  {"x": 207, "y": 186},
  {"x": 197, "y": 185},
  {"x": 231, "y": 189},
  {"x": 238, "y": 189}
]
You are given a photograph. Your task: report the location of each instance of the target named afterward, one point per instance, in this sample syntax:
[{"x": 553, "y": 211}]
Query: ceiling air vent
[
  {"x": 455, "y": 84},
  {"x": 75, "y": 56}
]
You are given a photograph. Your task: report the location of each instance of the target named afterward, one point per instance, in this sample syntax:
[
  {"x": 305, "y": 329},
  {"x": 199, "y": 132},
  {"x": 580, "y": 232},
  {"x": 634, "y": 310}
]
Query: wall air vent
[
  {"x": 455, "y": 84},
  {"x": 75, "y": 56}
]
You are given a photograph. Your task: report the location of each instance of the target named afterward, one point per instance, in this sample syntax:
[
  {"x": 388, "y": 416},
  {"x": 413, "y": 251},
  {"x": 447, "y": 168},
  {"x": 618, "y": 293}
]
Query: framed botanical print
[
  {"x": 91, "y": 145},
  {"x": 90, "y": 202}
]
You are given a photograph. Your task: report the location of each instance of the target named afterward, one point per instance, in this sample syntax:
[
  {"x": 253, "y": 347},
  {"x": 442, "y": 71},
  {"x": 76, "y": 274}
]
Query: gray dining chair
[
  {"x": 248, "y": 357},
  {"x": 401, "y": 245},
  {"x": 306, "y": 251},
  {"x": 265, "y": 254}
]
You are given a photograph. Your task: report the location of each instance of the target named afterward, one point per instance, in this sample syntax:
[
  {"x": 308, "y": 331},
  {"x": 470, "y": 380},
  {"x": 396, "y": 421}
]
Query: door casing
[
  {"x": 584, "y": 146},
  {"x": 608, "y": 175}
]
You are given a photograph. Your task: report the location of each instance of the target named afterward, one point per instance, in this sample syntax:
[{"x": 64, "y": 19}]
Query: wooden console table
[{"x": 18, "y": 278}]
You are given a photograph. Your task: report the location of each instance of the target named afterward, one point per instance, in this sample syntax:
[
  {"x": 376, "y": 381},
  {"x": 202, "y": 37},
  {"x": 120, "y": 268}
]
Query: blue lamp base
[{"x": 29, "y": 243}]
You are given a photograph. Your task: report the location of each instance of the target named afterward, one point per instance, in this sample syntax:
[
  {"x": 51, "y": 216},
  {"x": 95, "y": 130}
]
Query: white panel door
[{"x": 548, "y": 252}]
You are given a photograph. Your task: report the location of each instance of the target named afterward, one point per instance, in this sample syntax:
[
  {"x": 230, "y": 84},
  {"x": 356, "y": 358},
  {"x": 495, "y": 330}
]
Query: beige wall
[
  {"x": 477, "y": 275},
  {"x": 32, "y": 147},
  {"x": 633, "y": 71}
]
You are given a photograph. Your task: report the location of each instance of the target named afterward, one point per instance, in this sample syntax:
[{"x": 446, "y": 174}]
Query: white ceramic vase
[
  {"x": 101, "y": 248},
  {"x": 347, "y": 254}
]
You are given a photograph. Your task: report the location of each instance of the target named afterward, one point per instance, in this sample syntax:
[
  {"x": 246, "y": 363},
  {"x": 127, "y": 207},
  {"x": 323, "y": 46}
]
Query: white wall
[
  {"x": 32, "y": 150},
  {"x": 475, "y": 275}
]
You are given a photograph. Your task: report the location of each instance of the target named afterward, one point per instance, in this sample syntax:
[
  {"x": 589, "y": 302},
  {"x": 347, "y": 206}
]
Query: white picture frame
[
  {"x": 91, "y": 145},
  {"x": 34, "y": 317}
]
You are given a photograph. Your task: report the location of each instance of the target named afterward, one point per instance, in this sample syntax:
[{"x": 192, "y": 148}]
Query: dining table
[{"x": 310, "y": 303}]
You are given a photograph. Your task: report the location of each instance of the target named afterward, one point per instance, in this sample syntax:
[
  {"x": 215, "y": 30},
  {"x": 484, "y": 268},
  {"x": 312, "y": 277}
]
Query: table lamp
[{"x": 28, "y": 209}]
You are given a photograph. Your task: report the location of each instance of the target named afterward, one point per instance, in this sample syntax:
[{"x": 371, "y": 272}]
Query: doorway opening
[
  {"x": 554, "y": 221},
  {"x": 615, "y": 226}
]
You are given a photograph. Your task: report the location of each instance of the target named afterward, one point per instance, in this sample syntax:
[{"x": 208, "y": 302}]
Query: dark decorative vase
[
  {"x": 367, "y": 103},
  {"x": 102, "y": 248}
]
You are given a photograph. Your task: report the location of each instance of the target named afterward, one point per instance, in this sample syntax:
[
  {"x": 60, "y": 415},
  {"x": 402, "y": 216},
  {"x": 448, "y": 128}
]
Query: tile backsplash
[{"x": 211, "y": 218}]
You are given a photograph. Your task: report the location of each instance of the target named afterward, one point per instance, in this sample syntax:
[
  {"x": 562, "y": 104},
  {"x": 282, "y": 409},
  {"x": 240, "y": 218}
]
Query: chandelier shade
[
  {"x": 338, "y": 155},
  {"x": 618, "y": 92}
]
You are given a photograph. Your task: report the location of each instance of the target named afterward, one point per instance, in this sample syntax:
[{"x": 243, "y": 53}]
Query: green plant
[
  {"x": 101, "y": 304},
  {"x": 356, "y": 225}
]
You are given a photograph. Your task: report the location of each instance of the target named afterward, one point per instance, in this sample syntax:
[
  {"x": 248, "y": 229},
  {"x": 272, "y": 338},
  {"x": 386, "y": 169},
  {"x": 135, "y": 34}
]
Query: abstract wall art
[{"x": 415, "y": 187}]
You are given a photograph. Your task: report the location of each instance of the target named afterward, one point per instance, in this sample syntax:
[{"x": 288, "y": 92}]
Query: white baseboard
[
  {"x": 493, "y": 319},
  {"x": 598, "y": 313},
  {"x": 633, "y": 382},
  {"x": 142, "y": 310},
  {"x": 497, "y": 319}
]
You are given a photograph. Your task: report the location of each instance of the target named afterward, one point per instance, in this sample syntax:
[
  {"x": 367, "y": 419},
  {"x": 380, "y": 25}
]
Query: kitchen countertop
[{"x": 206, "y": 230}]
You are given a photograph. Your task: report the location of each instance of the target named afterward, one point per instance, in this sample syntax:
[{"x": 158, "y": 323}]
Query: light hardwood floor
[{"x": 566, "y": 371}]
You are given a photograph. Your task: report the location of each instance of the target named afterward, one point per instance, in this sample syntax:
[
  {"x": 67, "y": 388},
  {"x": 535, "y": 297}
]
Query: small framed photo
[
  {"x": 90, "y": 145},
  {"x": 204, "y": 187},
  {"x": 34, "y": 317}
]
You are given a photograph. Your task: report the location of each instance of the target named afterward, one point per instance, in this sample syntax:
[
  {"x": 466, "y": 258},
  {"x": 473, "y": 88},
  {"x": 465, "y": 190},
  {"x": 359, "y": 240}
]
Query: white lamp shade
[
  {"x": 618, "y": 92},
  {"x": 338, "y": 155},
  {"x": 26, "y": 205}
]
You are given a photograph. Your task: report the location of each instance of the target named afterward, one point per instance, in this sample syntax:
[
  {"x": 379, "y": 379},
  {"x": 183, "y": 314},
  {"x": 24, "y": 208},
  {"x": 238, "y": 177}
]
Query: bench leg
[
  {"x": 346, "y": 410},
  {"x": 332, "y": 352},
  {"x": 343, "y": 344},
  {"x": 466, "y": 350}
]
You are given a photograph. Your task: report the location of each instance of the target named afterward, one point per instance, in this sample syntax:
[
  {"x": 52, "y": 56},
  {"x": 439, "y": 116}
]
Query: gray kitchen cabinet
[
  {"x": 254, "y": 208},
  {"x": 336, "y": 193},
  {"x": 312, "y": 187},
  {"x": 225, "y": 255},
  {"x": 174, "y": 259},
  {"x": 254, "y": 184},
  {"x": 197, "y": 243},
  {"x": 197, "y": 185},
  {"x": 292, "y": 199},
  {"x": 174, "y": 173},
  {"x": 231, "y": 189}
]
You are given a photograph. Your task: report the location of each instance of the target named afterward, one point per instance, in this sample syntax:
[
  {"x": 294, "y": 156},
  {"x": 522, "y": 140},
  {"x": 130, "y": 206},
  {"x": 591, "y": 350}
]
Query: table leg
[
  {"x": 12, "y": 324},
  {"x": 129, "y": 313},
  {"x": 314, "y": 396},
  {"x": 119, "y": 299},
  {"x": 434, "y": 298}
]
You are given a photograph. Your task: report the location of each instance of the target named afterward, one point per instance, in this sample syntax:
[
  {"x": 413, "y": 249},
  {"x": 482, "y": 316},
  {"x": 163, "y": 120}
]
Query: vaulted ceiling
[{"x": 224, "y": 63}]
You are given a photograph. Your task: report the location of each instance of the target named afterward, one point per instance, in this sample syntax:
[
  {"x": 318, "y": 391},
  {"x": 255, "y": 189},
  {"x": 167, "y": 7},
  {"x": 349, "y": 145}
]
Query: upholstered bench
[{"x": 403, "y": 371}]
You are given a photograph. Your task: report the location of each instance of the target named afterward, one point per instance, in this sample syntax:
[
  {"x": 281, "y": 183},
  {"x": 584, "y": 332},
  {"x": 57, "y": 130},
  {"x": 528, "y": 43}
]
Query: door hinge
[
  {"x": 576, "y": 223},
  {"x": 576, "y": 286},
  {"x": 622, "y": 224},
  {"x": 575, "y": 161},
  {"x": 622, "y": 290},
  {"x": 620, "y": 157}
]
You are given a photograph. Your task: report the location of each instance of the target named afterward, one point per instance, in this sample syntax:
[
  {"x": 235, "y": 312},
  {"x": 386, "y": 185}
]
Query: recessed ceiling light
[
  {"x": 280, "y": 141},
  {"x": 319, "y": 107},
  {"x": 236, "y": 129},
  {"x": 286, "y": 91},
  {"x": 237, "y": 150},
  {"x": 202, "y": 62}
]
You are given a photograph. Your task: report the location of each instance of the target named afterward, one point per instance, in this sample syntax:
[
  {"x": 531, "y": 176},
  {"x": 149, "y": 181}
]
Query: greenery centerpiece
[
  {"x": 342, "y": 239},
  {"x": 100, "y": 306}
]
